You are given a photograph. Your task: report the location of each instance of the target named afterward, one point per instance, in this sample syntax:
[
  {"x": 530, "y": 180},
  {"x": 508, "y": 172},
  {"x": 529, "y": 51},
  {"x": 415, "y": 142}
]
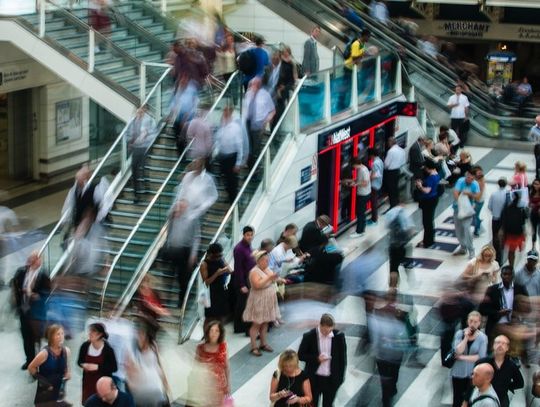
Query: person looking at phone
[
  {"x": 214, "y": 272},
  {"x": 502, "y": 301},
  {"x": 470, "y": 344},
  {"x": 325, "y": 352},
  {"x": 290, "y": 385}
]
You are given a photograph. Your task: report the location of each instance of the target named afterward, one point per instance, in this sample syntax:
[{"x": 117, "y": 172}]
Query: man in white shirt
[
  {"x": 496, "y": 203},
  {"x": 395, "y": 159},
  {"x": 483, "y": 394},
  {"x": 459, "y": 105},
  {"x": 325, "y": 352},
  {"x": 363, "y": 194},
  {"x": 534, "y": 133},
  {"x": 231, "y": 146},
  {"x": 258, "y": 111}
]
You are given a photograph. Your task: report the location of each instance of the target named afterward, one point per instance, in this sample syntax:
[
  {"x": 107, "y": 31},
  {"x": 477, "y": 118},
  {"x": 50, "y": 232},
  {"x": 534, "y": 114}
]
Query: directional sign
[
  {"x": 421, "y": 263},
  {"x": 445, "y": 232},
  {"x": 445, "y": 247}
]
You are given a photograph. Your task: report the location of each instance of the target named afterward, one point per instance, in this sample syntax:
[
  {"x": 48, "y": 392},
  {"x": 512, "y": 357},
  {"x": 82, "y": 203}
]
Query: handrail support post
[
  {"x": 399, "y": 84},
  {"x": 142, "y": 82},
  {"x": 42, "y": 9},
  {"x": 378, "y": 82},
  {"x": 91, "y": 50},
  {"x": 327, "y": 98},
  {"x": 354, "y": 88}
]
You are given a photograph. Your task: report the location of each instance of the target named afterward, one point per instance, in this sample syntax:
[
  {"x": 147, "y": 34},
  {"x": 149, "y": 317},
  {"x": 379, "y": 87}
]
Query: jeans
[
  {"x": 463, "y": 233},
  {"x": 361, "y": 206},
  {"x": 477, "y": 221}
]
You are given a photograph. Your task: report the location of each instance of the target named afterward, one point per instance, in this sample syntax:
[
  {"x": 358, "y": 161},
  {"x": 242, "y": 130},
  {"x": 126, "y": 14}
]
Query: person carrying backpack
[
  {"x": 253, "y": 62},
  {"x": 353, "y": 53}
]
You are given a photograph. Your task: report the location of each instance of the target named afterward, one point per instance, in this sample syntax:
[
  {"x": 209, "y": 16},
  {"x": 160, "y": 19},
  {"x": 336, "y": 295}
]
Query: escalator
[{"x": 431, "y": 83}]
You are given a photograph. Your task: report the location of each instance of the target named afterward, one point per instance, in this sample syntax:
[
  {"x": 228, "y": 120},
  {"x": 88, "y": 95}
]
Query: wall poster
[{"x": 68, "y": 120}]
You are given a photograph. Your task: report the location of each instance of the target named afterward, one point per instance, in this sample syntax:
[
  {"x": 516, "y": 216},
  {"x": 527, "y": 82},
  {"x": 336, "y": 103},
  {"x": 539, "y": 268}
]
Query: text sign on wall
[
  {"x": 305, "y": 175},
  {"x": 304, "y": 196}
]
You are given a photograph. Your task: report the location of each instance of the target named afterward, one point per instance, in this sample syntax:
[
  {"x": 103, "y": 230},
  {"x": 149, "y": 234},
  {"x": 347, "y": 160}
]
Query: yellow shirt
[{"x": 357, "y": 52}]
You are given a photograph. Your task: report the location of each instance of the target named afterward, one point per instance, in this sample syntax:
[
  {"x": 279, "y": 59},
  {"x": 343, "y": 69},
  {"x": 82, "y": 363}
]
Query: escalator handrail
[
  {"x": 236, "y": 201},
  {"x": 66, "y": 214},
  {"x": 141, "y": 271},
  {"x": 416, "y": 57}
]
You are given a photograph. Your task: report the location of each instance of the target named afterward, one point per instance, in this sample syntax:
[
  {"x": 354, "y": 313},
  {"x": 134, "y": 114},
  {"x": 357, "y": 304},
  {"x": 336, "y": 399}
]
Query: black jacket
[
  {"x": 416, "y": 160},
  {"x": 309, "y": 353},
  {"x": 42, "y": 287},
  {"x": 493, "y": 303},
  {"x": 312, "y": 237},
  {"x": 109, "y": 365},
  {"x": 507, "y": 378}
]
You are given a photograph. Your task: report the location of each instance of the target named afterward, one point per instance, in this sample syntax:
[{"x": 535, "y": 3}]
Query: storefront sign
[
  {"x": 68, "y": 120},
  {"x": 304, "y": 196},
  {"x": 479, "y": 30},
  {"x": 465, "y": 29},
  {"x": 305, "y": 175}
]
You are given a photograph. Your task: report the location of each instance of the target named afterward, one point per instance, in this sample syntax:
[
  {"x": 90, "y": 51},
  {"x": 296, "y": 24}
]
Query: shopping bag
[{"x": 465, "y": 208}]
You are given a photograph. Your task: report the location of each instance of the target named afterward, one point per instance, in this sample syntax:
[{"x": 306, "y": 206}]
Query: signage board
[
  {"x": 304, "y": 196},
  {"x": 305, "y": 175}
]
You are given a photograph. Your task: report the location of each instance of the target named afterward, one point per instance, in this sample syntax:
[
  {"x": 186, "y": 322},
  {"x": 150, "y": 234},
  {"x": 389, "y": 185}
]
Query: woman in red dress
[
  {"x": 96, "y": 358},
  {"x": 213, "y": 353}
]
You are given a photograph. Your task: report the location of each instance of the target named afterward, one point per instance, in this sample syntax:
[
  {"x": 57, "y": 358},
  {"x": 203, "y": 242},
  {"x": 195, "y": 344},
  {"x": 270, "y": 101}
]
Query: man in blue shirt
[
  {"x": 469, "y": 187},
  {"x": 261, "y": 58}
]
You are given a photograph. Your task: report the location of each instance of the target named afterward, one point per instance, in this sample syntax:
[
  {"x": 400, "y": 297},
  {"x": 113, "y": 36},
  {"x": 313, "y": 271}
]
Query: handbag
[
  {"x": 465, "y": 208},
  {"x": 204, "y": 296},
  {"x": 449, "y": 359}
]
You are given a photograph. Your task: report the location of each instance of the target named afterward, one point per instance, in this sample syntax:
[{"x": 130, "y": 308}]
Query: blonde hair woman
[
  {"x": 519, "y": 179},
  {"x": 481, "y": 272},
  {"x": 290, "y": 385}
]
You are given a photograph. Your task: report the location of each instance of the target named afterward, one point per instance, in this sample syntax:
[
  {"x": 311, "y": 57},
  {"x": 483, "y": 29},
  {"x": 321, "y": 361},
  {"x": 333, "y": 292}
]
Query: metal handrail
[
  {"x": 122, "y": 301},
  {"x": 236, "y": 201},
  {"x": 64, "y": 216}
]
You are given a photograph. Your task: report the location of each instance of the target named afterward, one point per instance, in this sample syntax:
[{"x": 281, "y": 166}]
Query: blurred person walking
[
  {"x": 428, "y": 200},
  {"x": 214, "y": 272},
  {"x": 198, "y": 189},
  {"x": 324, "y": 350},
  {"x": 480, "y": 273},
  {"x": 479, "y": 202},
  {"x": 466, "y": 191},
  {"x": 199, "y": 134},
  {"x": 400, "y": 230},
  {"x": 310, "y": 62},
  {"x": 534, "y": 209},
  {"x": 290, "y": 385},
  {"x": 99, "y": 20},
  {"x": 30, "y": 289},
  {"x": 51, "y": 368},
  {"x": 484, "y": 394},
  {"x": 232, "y": 148},
  {"x": 507, "y": 376},
  {"x": 529, "y": 275},
  {"x": 141, "y": 133},
  {"x": 261, "y": 306},
  {"x": 503, "y": 301},
  {"x": 395, "y": 160},
  {"x": 212, "y": 353},
  {"x": 182, "y": 244},
  {"x": 497, "y": 202},
  {"x": 376, "y": 180},
  {"x": 253, "y": 62},
  {"x": 145, "y": 375},
  {"x": 80, "y": 198},
  {"x": 288, "y": 75},
  {"x": 225, "y": 64},
  {"x": 469, "y": 345},
  {"x": 182, "y": 108},
  {"x": 258, "y": 110},
  {"x": 107, "y": 394},
  {"x": 96, "y": 358},
  {"x": 148, "y": 302},
  {"x": 243, "y": 263},
  {"x": 513, "y": 219}
]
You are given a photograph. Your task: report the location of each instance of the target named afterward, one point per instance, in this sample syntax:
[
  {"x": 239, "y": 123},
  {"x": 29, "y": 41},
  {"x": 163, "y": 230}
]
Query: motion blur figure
[
  {"x": 141, "y": 134},
  {"x": 31, "y": 286},
  {"x": 199, "y": 134},
  {"x": 80, "y": 198},
  {"x": 183, "y": 107}
]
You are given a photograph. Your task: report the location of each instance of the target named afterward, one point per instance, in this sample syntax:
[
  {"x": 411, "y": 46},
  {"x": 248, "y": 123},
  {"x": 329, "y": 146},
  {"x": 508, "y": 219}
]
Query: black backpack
[{"x": 247, "y": 62}]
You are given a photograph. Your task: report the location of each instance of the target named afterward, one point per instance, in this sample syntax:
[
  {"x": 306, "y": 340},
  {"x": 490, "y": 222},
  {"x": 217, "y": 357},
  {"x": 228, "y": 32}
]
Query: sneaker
[
  {"x": 355, "y": 235},
  {"x": 459, "y": 251}
]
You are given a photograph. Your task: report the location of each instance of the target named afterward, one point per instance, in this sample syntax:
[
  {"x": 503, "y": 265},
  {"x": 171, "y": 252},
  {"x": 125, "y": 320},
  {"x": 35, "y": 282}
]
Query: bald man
[
  {"x": 108, "y": 395},
  {"x": 483, "y": 394}
]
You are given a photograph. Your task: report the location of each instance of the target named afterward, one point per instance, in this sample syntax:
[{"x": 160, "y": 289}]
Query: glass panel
[
  {"x": 388, "y": 73},
  {"x": 340, "y": 89},
  {"x": 104, "y": 129},
  {"x": 366, "y": 80},
  {"x": 311, "y": 99}
]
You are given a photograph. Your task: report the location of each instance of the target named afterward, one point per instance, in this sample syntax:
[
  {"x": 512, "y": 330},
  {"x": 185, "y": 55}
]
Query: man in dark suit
[
  {"x": 503, "y": 301},
  {"x": 416, "y": 159},
  {"x": 325, "y": 352},
  {"x": 31, "y": 287},
  {"x": 310, "y": 63}
]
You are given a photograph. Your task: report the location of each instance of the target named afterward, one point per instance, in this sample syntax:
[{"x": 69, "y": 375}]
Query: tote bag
[{"x": 465, "y": 208}]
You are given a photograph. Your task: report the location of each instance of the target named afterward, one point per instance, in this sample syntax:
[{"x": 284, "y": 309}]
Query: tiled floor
[{"x": 250, "y": 376}]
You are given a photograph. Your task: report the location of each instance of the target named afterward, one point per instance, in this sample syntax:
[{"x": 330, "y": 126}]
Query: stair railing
[
  {"x": 115, "y": 158},
  {"x": 140, "y": 271}
]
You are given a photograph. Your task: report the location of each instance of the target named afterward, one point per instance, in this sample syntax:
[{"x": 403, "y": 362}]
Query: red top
[{"x": 217, "y": 362}]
